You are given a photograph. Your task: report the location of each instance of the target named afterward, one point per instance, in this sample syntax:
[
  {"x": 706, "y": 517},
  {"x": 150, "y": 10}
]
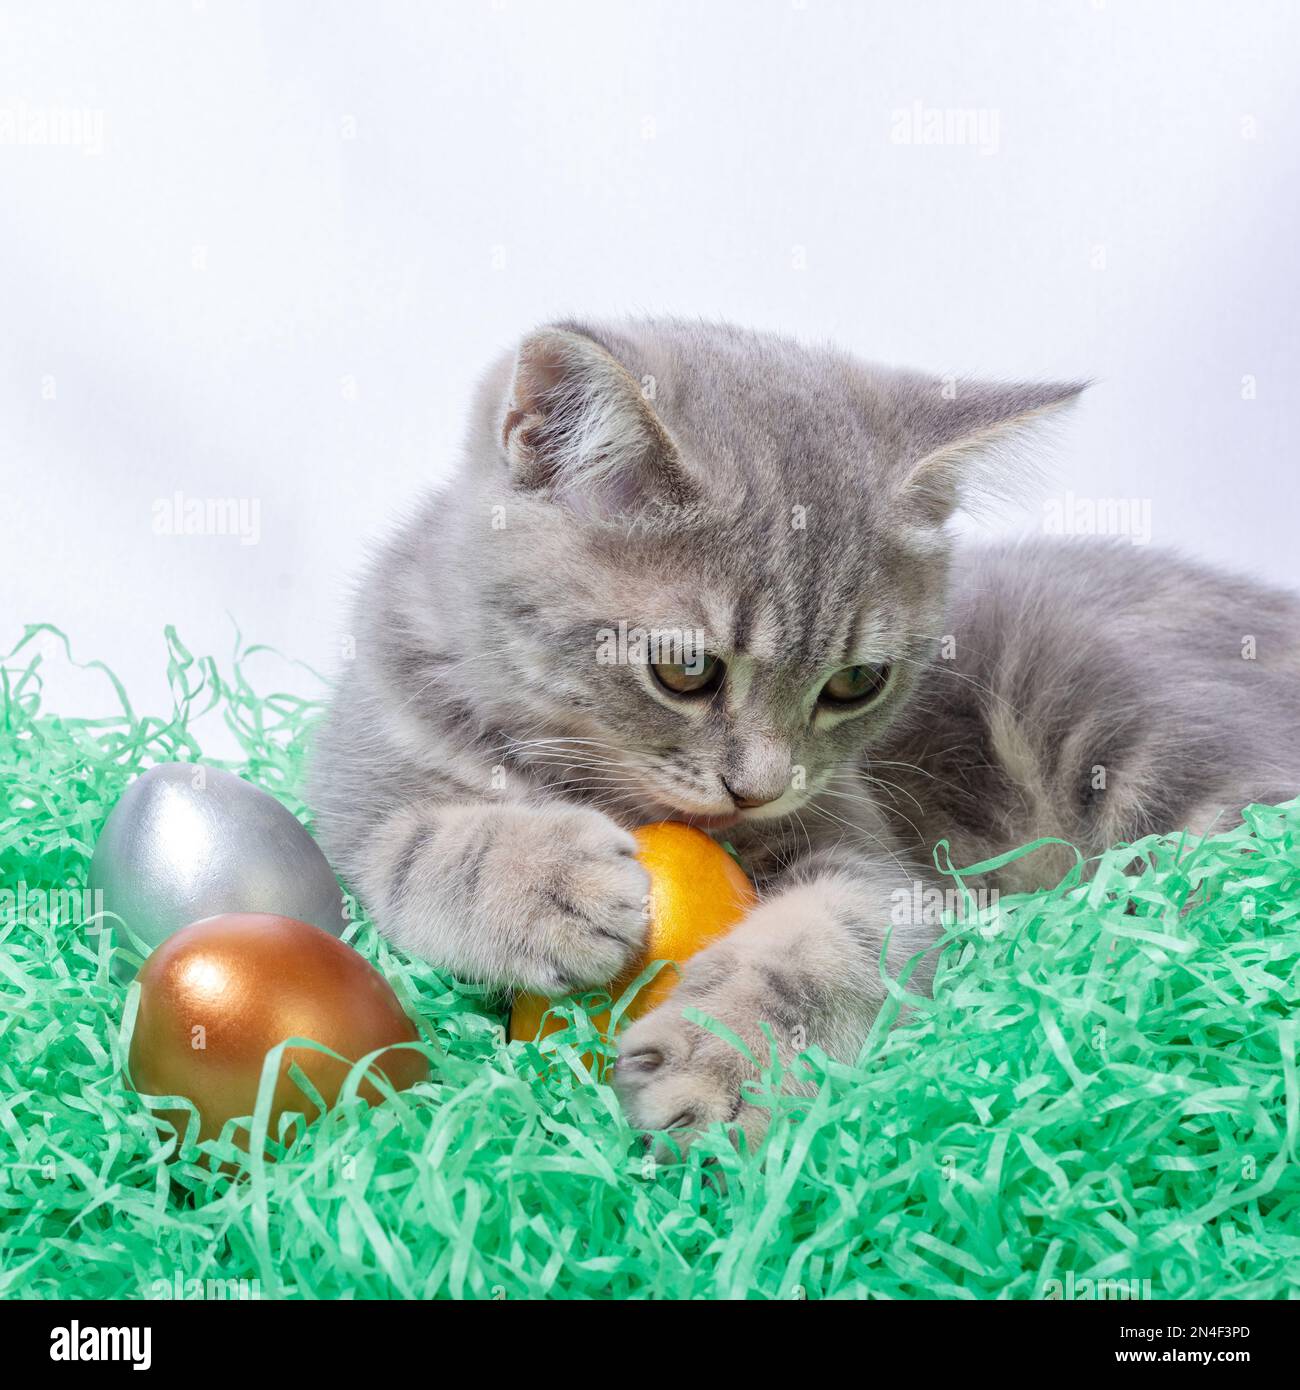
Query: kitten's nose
[{"x": 747, "y": 803}]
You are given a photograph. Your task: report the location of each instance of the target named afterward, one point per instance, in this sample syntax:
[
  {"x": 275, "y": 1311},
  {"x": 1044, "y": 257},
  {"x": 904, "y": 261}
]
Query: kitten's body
[
  {"x": 481, "y": 762},
  {"x": 1097, "y": 692}
]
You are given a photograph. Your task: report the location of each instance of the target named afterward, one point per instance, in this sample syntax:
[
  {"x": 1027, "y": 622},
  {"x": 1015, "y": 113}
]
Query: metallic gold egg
[{"x": 217, "y": 995}]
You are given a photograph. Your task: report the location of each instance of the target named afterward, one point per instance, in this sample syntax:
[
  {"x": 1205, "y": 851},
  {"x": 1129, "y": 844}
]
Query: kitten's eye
[
  {"x": 855, "y": 685},
  {"x": 701, "y": 676}
]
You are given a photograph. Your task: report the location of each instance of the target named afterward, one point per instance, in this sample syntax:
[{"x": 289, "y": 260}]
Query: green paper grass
[{"x": 1102, "y": 1097}]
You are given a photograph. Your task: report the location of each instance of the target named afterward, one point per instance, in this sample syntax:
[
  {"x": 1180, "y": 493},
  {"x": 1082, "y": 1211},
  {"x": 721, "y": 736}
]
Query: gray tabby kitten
[{"x": 845, "y": 692}]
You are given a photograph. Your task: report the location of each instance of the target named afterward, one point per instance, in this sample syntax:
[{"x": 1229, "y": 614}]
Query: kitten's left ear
[
  {"x": 960, "y": 438},
  {"x": 577, "y": 427}
]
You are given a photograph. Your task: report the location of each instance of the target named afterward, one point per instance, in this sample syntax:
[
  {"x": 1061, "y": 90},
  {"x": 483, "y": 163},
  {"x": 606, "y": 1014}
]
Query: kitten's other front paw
[
  {"x": 793, "y": 964},
  {"x": 569, "y": 881},
  {"x": 672, "y": 1074},
  {"x": 676, "y": 1076}
]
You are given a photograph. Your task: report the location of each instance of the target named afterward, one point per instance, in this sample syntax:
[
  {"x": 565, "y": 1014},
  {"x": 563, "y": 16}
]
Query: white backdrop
[{"x": 260, "y": 253}]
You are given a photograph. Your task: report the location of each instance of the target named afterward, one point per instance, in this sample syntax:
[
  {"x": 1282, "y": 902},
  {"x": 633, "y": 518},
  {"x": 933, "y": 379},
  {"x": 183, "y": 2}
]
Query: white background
[{"x": 310, "y": 225}]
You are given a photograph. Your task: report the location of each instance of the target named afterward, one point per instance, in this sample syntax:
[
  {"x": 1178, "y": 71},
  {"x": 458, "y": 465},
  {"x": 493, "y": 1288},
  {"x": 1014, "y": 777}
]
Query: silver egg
[{"x": 188, "y": 841}]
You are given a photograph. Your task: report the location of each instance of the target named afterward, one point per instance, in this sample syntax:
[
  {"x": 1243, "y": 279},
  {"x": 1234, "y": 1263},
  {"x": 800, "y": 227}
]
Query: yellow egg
[
  {"x": 697, "y": 894},
  {"x": 218, "y": 994}
]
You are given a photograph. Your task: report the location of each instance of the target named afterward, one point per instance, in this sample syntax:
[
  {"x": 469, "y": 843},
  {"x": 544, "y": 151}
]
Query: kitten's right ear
[
  {"x": 577, "y": 427},
  {"x": 963, "y": 440}
]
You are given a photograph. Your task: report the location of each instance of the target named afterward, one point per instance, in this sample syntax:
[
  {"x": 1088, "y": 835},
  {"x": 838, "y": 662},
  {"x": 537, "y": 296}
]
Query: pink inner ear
[
  {"x": 577, "y": 426},
  {"x": 518, "y": 433},
  {"x": 543, "y": 364},
  {"x": 551, "y": 369}
]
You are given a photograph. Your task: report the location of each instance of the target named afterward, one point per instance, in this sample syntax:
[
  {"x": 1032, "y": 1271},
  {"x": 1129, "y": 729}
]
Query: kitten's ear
[
  {"x": 577, "y": 426},
  {"x": 961, "y": 439}
]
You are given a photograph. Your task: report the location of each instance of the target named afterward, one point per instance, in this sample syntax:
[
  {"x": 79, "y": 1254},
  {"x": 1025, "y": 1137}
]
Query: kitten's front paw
[
  {"x": 796, "y": 964},
  {"x": 674, "y": 1075},
  {"x": 570, "y": 881}
]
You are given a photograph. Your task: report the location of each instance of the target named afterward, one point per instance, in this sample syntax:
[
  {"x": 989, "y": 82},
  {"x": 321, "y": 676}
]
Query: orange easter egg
[
  {"x": 697, "y": 894},
  {"x": 218, "y": 994}
]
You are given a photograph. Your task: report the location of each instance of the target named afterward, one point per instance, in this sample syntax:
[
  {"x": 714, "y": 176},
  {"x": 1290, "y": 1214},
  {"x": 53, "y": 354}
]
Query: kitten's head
[{"x": 703, "y": 566}]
